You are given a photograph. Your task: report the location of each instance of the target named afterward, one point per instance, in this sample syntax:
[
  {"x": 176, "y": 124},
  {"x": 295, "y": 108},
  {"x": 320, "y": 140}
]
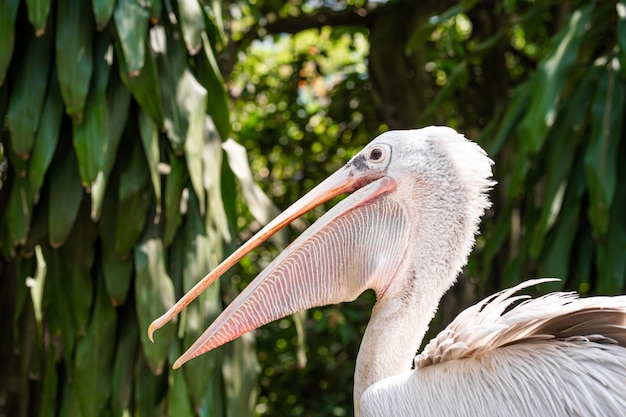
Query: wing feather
[
  {"x": 493, "y": 323},
  {"x": 555, "y": 355}
]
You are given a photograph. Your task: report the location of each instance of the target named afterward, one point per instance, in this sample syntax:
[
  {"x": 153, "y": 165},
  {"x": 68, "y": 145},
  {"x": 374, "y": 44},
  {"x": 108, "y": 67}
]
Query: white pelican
[{"x": 405, "y": 232}]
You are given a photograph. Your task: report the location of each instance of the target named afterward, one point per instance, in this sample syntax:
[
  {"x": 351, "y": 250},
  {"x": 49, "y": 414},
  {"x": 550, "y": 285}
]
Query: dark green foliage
[{"x": 95, "y": 133}]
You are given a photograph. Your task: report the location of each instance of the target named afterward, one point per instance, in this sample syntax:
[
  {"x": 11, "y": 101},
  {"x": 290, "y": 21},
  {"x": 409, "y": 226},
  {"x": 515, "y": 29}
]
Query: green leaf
[
  {"x": 241, "y": 371},
  {"x": 154, "y": 294},
  {"x": 144, "y": 86},
  {"x": 16, "y": 219},
  {"x": 131, "y": 22},
  {"x": 91, "y": 136},
  {"x": 38, "y": 11},
  {"x": 29, "y": 92},
  {"x": 193, "y": 156},
  {"x": 178, "y": 402},
  {"x": 70, "y": 406},
  {"x": 561, "y": 147},
  {"x": 8, "y": 11},
  {"x": 134, "y": 198},
  {"x": 199, "y": 258},
  {"x": 550, "y": 79},
  {"x": 49, "y": 400},
  {"x": 610, "y": 260},
  {"x": 620, "y": 8},
  {"x": 146, "y": 391},
  {"x": 62, "y": 212},
  {"x": 126, "y": 358},
  {"x": 118, "y": 99},
  {"x": 515, "y": 111},
  {"x": 216, "y": 220},
  {"x": 192, "y": 24},
  {"x": 47, "y": 136},
  {"x": 155, "y": 7},
  {"x": 174, "y": 183},
  {"x": 555, "y": 260},
  {"x": 102, "y": 11},
  {"x": 94, "y": 356},
  {"x": 601, "y": 151},
  {"x": 117, "y": 271},
  {"x": 150, "y": 141},
  {"x": 74, "y": 57},
  {"x": 209, "y": 76},
  {"x": 184, "y": 100},
  {"x": 69, "y": 287}
]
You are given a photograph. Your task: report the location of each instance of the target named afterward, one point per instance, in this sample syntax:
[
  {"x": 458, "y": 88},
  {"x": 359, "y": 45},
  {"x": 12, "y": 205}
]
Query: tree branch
[{"x": 323, "y": 16}]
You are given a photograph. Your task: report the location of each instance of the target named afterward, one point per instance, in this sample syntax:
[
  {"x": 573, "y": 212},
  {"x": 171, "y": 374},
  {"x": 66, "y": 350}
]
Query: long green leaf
[
  {"x": 550, "y": 78},
  {"x": 601, "y": 151},
  {"x": 144, "y": 86},
  {"x": 134, "y": 198},
  {"x": 562, "y": 140},
  {"x": 174, "y": 183},
  {"x": 47, "y": 136},
  {"x": 29, "y": 92},
  {"x": 155, "y": 7},
  {"x": 69, "y": 288},
  {"x": 621, "y": 34},
  {"x": 610, "y": 260},
  {"x": 74, "y": 57},
  {"x": 117, "y": 270},
  {"x": 184, "y": 100},
  {"x": 38, "y": 11},
  {"x": 118, "y": 99},
  {"x": 127, "y": 354},
  {"x": 94, "y": 356},
  {"x": 150, "y": 141},
  {"x": 241, "y": 370},
  {"x": 49, "y": 400},
  {"x": 209, "y": 76},
  {"x": 102, "y": 11},
  {"x": 196, "y": 261},
  {"x": 154, "y": 294},
  {"x": 556, "y": 259},
  {"x": 178, "y": 401},
  {"x": 62, "y": 212},
  {"x": 8, "y": 11},
  {"x": 146, "y": 391},
  {"x": 131, "y": 22},
  {"x": 16, "y": 220},
  {"x": 91, "y": 136},
  {"x": 192, "y": 24}
]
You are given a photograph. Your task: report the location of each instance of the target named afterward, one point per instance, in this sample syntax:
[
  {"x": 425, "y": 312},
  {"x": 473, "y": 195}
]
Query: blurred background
[{"x": 143, "y": 141}]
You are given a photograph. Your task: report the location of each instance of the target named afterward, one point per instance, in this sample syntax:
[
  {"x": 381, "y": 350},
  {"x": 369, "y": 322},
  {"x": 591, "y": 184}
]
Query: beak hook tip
[{"x": 151, "y": 329}]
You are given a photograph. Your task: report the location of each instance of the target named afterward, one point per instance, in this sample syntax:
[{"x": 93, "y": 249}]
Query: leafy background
[{"x": 119, "y": 188}]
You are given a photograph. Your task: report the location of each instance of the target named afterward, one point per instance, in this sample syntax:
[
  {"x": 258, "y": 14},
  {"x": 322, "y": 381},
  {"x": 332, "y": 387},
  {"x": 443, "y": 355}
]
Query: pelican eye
[{"x": 376, "y": 154}]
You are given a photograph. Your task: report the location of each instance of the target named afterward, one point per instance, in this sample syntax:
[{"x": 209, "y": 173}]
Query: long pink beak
[{"x": 316, "y": 269}]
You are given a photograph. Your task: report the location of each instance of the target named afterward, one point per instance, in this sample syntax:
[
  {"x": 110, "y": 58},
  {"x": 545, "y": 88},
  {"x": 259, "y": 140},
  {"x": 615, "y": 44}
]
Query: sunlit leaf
[
  {"x": 601, "y": 151},
  {"x": 550, "y": 79},
  {"x": 154, "y": 294}
]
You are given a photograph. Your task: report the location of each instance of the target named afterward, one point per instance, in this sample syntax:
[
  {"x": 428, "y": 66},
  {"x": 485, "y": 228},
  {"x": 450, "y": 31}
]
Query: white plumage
[
  {"x": 557, "y": 355},
  {"x": 405, "y": 232}
]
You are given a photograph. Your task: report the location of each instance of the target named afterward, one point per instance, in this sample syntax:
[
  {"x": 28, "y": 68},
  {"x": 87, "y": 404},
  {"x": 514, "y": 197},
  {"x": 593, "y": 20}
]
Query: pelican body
[{"x": 406, "y": 231}]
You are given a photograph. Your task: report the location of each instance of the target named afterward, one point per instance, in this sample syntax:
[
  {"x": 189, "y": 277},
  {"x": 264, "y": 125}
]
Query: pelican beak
[{"x": 314, "y": 270}]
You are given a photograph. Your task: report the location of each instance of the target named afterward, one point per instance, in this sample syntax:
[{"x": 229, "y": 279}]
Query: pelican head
[{"x": 416, "y": 197}]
